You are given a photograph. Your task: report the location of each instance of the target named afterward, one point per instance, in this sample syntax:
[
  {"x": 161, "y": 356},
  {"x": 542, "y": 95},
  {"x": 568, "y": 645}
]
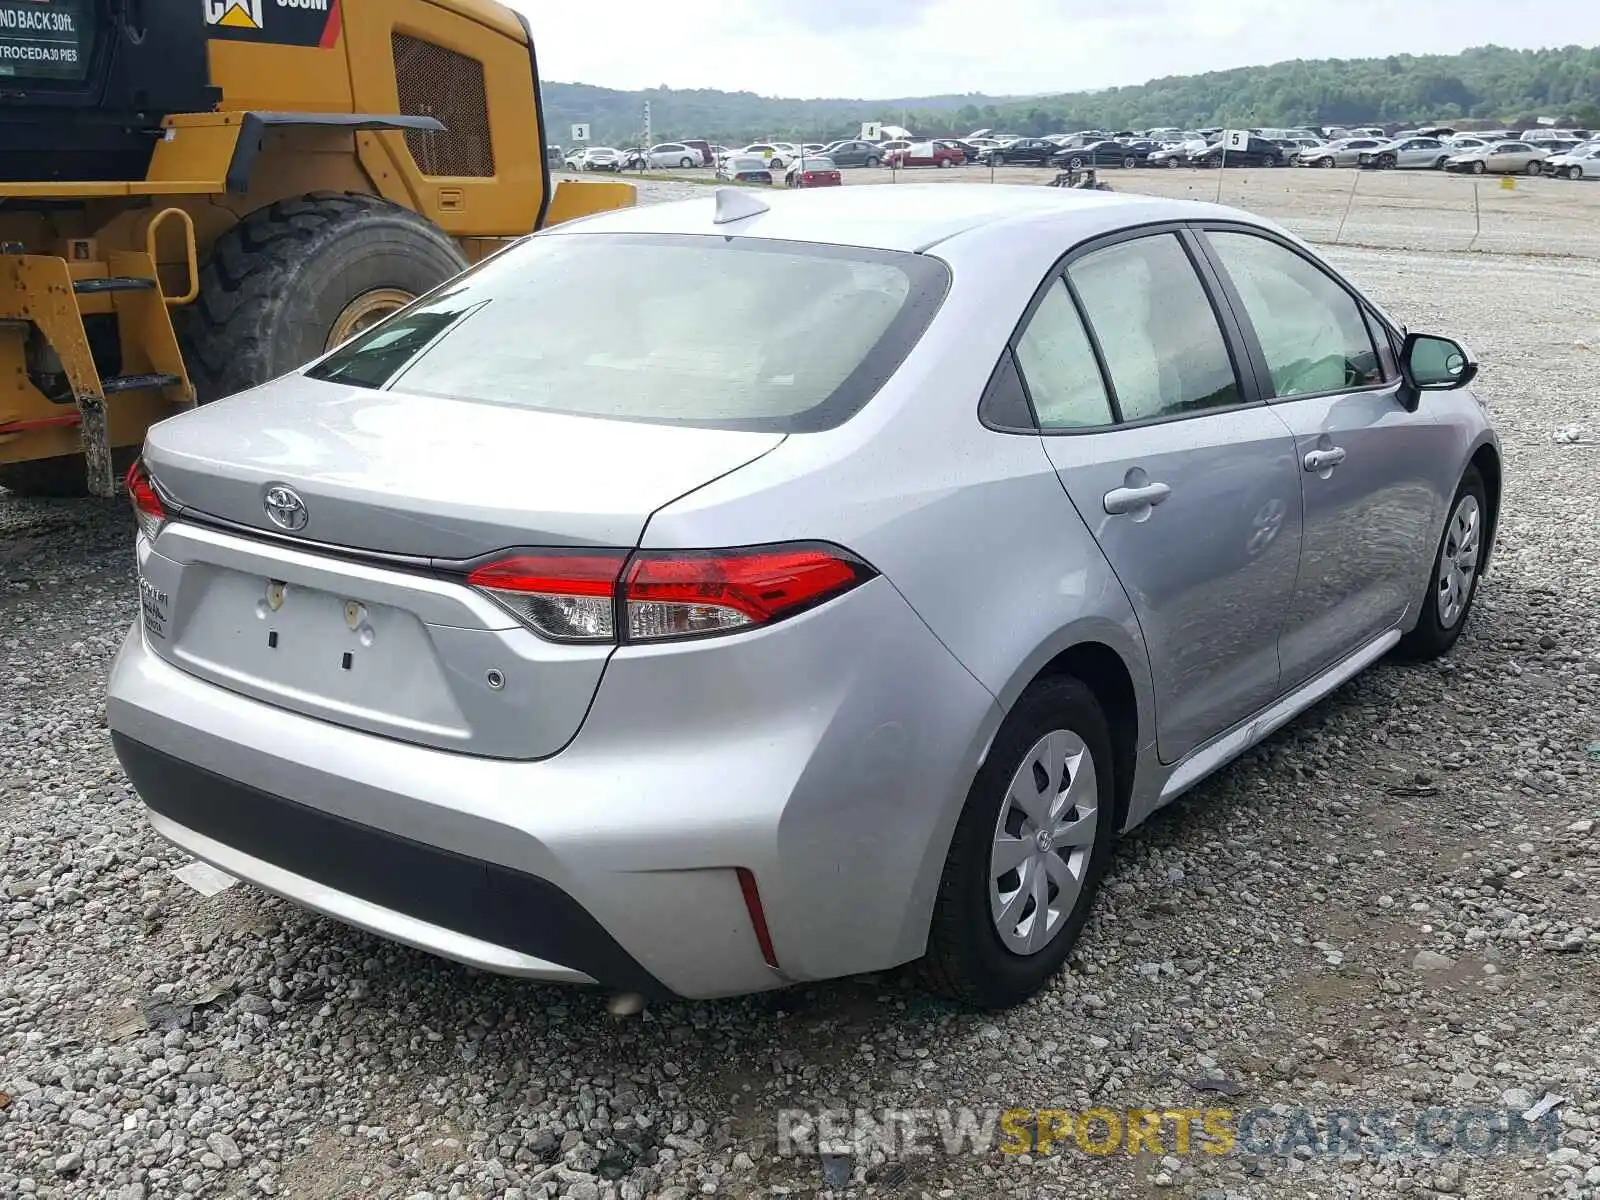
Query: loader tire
[{"x": 276, "y": 285}]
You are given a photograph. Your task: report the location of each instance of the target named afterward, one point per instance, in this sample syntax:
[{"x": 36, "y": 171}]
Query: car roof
[{"x": 911, "y": 217}]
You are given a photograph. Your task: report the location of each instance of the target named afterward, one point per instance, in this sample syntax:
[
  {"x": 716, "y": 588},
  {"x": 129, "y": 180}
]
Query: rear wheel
[
  {"x": 1453, "y": 582},
  {"x": 872, "y": 160},
  {"x": 1028, "y": 851},
  {"x": 947, "y": 162},
  {"x": 293, "y": 280},
  {"x": 999, "y": 160},
  {"x": 1534, "y": 168},
  {"x": 1438, "y": 163},
  {"x": 1129, "y": 162}
]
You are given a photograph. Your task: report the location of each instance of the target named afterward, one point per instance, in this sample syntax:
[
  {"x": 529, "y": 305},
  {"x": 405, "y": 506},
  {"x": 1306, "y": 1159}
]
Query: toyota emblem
[{"x": 284, "y": 507}]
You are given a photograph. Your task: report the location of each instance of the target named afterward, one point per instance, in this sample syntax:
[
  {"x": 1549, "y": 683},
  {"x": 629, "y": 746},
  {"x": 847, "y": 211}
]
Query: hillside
[{"x": 1488, "y": 82}]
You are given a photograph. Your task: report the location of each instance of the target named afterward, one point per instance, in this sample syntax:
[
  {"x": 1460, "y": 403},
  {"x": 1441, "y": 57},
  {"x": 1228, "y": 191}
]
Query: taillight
[
  {"x": 665, "y": 595},
  {"x": 148, "y": 510},
  {"x": 564, "y": 596}
]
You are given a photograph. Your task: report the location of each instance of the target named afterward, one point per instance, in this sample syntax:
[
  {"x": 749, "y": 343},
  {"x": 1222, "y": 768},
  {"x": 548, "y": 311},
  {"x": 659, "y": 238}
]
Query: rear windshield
[{"x": 687, "y": 330}]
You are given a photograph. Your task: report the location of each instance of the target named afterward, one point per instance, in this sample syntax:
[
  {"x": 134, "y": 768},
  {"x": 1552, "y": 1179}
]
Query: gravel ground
[{"x": 1393, "y": 905}]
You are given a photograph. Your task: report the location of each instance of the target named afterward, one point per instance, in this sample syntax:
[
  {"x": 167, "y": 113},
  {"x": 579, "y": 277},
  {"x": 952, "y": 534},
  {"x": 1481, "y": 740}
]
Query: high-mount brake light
[
  {"x": 664, "y": 595},
  {"x": 148, "y": 510}
]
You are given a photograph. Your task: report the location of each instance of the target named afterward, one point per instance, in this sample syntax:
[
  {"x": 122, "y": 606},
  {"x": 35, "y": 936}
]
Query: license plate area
[{"x": 343, "y": 656}]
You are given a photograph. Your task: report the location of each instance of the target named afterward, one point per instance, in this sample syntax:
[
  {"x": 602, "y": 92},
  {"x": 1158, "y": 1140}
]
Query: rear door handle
[
  {"x": 1324, "y": 460},
  {"x": 1128, "y": 499}
]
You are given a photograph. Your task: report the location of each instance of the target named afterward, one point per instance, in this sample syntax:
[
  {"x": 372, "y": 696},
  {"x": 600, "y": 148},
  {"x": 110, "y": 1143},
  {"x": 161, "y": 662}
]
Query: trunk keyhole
[{"x": 347, "y": 660}]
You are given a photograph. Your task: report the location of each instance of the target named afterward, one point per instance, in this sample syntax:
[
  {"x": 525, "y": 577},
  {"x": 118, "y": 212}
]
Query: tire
[
  {"x": 1478, "y": 166},
  {"x": 871, "y": 161},
  {"x": 1439, "y": 163},
  {"x": 1534, "y": 168},
  {"x": 1075, "y": 163},
  {"x": 946, "y": 162},
  {"x": 999, "y": 160},
  {"x": 1326, "y": 162},
  {"x": 1442, "y": 619},
  {"x": 1129, "y": 162},
  {"x": 968, "y": 959},
  {"x": 686, "y": 163},
  {"x": 1575, "y": 172},
  {"x": 1387, "y": 163},
  {"x": 1173, "y": 164},
  {"x": 276, "y": 284}
]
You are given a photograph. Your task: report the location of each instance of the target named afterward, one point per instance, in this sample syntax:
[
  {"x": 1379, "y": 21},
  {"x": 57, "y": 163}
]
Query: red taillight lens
[
  {"x": 565, "y": 596},
  {"x": 576, "y": 596},
  {"x": 147, "y": 507},
  {"x": 671, "y": 594}
]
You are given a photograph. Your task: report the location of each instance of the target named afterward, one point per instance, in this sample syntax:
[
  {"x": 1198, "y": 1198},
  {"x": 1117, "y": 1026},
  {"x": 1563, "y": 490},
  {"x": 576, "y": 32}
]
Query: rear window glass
[{"x": 688, "y": 330}]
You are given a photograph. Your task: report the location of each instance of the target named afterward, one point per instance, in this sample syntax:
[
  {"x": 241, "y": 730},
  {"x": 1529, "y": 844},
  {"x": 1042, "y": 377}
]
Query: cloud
[{"x": 878, "y": 48}]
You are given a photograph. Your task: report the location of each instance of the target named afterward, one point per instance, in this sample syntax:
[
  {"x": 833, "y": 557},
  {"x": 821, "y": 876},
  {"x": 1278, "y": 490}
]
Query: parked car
[
  {"x": 1258, "y": 152},
  {"x": 633, "y": 158},
  {"x": 814, "y": 170},
  {"x": 1345, "y": 152},
  {"x": 1406, "y": 154},
  {"x": 854, "y": 153},
  {"x": 1035, "y": 151},
  {"x": 1103, "y": 154},
  {"x": 775, "y": 154},
  {"x": 969, "y": 152},
  {"x": 596, "y": 158},
  {"x": 926, "y": 154},
  {"x": 1500, "y": 157},
  {"x": 1177, "y": 156},
  {"x": 673, "y": 154},
  {"x": 1582, "y": 163},
  {"x": 745, "y": 168},
  {"x": 699, "y": 614}
]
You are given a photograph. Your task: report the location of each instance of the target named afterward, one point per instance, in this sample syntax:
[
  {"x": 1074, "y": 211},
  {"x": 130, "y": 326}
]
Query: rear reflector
[
  {"x": 758, "y": 915},
  {"x": 148, "y": 510},
  {"x": 664, "y": 595}
]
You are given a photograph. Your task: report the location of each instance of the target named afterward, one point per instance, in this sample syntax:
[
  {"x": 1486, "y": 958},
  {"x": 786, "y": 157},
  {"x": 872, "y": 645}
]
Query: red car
[
  {"x": 927, "y": 154},
  {"x": 813, "y": 171}
]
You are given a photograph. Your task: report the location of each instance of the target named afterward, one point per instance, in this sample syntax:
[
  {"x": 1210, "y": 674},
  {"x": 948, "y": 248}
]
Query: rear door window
[{"x": 1159, "y": 335}]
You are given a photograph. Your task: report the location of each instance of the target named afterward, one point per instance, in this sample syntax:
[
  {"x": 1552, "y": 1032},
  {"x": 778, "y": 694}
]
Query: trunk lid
[
  {"x": 406, "y": 650},
  {"x": 432, "y": 477}
]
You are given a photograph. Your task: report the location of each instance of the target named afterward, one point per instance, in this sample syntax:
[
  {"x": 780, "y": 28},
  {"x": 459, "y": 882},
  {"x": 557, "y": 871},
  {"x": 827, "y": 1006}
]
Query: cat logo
[{"x": 234, "y": 14}]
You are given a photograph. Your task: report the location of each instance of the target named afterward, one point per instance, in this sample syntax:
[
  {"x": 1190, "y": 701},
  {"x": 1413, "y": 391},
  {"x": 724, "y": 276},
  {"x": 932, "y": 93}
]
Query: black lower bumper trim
[{"x": 480, "y": 899}]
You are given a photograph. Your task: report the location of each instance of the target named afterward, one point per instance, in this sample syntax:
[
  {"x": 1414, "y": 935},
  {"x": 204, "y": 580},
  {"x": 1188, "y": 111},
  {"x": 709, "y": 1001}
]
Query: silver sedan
[
  {"x": 712, "y": 596},
  {"x": 1346, "y": 152}
]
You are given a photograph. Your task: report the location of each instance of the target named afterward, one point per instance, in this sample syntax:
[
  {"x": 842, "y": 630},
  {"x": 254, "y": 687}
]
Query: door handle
[
  {"x": 1127, "y": 499},
  {"x": 1324, "y": 460}
]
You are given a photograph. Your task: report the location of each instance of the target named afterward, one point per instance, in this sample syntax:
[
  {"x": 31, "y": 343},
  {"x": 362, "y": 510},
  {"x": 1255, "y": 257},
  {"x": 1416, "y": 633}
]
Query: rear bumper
[
  {"x": 828, "y": 756},
  {"x": 475, "y": 912}
]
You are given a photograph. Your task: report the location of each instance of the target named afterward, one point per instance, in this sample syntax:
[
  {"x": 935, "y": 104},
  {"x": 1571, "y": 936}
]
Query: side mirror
[{"x": 1436, "y": 364}]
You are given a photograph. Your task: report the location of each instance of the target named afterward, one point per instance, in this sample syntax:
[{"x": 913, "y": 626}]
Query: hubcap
[
  {"x": 1043, "y": 842},
  {"x": 365, "y": 311},
  {"x": 1458, "y": 560}
]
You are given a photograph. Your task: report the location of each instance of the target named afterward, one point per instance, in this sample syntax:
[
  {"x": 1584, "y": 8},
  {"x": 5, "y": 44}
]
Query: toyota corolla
[{"x": 715, "y": 595}]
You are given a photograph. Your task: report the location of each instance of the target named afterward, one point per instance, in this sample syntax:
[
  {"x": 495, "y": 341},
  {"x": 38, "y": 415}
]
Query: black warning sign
[{"x": 46, "y": 39}]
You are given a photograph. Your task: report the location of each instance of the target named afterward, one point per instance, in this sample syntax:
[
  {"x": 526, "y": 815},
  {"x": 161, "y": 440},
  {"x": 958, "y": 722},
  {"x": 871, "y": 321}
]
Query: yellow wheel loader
[{"x": 199, "y": 195}]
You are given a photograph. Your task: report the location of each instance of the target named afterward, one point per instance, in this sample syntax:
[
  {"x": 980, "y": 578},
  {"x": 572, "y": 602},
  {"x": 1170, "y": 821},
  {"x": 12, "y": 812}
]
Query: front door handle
[
  {"x": 1324, "y": 460},
  {"x": 1129, "y": 499}
]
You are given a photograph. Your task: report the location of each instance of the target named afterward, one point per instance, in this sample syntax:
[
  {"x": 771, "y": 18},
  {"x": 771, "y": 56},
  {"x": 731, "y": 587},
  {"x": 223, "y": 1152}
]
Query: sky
[{"x": 890, "y": 48}]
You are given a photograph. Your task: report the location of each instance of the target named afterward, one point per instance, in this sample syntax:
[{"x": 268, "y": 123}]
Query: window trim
[
  {"x": 1244, "y": 368},
  {"x": 1247, "y": 332}
]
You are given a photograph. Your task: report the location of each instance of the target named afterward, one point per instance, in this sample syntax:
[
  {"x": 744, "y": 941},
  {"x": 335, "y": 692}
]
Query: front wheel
[
  {"x": 1325, "y": 162},
  {"x": 1028, "y": 851},
  {"x": 1478, "y": 167},
  {"x": 1575, "y": 172},
  {"x": 1457, "y": 565},
  {"x": 1387, "y": 163}
]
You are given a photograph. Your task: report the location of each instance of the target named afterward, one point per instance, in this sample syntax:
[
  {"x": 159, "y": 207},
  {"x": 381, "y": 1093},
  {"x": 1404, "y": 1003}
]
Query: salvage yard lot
[{"x": 1266, "y": 929}]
